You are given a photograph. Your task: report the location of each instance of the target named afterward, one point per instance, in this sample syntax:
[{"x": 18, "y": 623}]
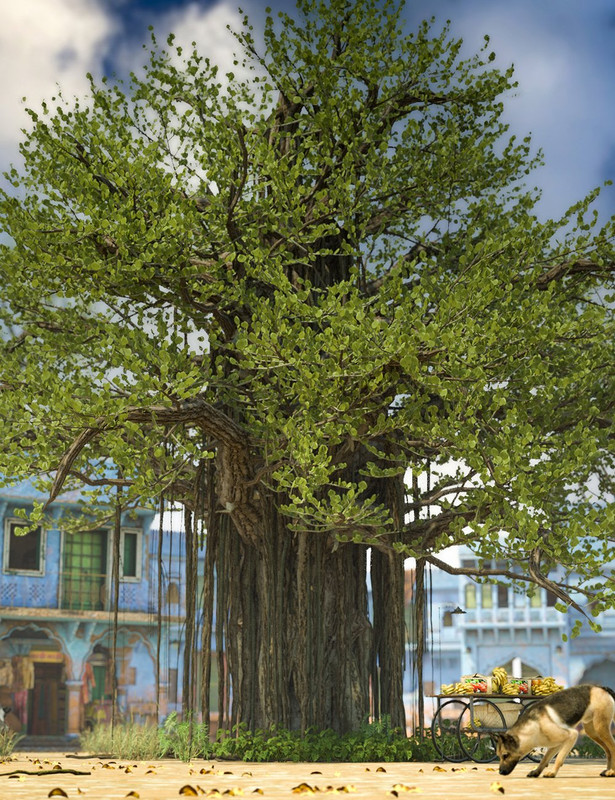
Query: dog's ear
[{"x": 508, "y": 740}]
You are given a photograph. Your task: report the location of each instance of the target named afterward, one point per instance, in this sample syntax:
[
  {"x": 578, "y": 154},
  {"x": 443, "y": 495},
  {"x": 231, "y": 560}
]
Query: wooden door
[{"x": 47, "y": 715}]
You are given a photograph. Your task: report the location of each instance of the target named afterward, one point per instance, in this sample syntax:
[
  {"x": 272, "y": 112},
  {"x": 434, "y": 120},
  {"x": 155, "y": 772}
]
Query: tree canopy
[{"x": 272, "y": 298}]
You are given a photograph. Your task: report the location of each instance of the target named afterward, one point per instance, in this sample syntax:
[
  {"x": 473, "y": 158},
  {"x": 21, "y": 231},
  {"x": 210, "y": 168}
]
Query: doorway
[{"x": 47, "y": 716}]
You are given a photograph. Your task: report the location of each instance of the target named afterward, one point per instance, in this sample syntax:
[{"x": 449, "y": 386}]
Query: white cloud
[
  {"x": 564, "y": 66},
  {"x": 208, "y": 27},
  {"x": 44, "y": 43}
]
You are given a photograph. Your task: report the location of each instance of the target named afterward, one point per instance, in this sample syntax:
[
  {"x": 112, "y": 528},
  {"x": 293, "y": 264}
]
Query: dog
[
  {"x": 3, "y": 711},
  {"x": 551, "y": 722}
]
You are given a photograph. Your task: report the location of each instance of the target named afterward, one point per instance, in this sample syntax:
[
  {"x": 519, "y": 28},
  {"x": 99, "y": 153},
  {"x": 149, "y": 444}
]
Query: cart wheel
[
  {"x": 476, "y": 730},
  {"x": 445, "y": 730}
]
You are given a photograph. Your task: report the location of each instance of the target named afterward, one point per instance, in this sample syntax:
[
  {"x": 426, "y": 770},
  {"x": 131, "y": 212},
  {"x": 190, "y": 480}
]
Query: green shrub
[
  {"x": 375, "y": 741},
  {"x": 587, "y": 748},
  {"x": 187, "y": 739}
]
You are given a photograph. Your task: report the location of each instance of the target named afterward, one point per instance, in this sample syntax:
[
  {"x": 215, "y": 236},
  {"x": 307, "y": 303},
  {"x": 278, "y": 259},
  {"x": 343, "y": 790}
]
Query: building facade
[{"x": 63, "y": 655}]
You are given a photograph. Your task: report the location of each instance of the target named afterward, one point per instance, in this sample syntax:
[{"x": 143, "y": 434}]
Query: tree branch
[
  {"x": 534, "y": 576},
  {"x": 197, "y": 411}
]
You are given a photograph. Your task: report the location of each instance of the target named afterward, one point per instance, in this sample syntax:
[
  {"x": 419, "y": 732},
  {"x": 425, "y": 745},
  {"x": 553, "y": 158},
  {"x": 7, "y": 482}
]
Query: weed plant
[
  {"x": 8, "y": 741},
  {"x": 124, "y": 740}
]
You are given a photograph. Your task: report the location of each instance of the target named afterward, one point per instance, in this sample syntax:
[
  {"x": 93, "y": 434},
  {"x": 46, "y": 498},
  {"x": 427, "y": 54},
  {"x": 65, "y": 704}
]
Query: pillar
[{"x": 73, "y": 712}]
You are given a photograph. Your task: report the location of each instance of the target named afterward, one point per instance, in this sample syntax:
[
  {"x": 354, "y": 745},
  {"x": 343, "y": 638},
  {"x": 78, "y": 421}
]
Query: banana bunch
[
  {"x": 456, "y": 688},
  {"x": 499, "y": 679},
  {"x": 546, "y": 686},
  {"x": 510, "y": 689}
]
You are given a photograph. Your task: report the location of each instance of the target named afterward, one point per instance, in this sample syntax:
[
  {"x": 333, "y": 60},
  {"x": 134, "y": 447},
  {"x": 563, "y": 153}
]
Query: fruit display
[
  {"x": 543, "y": 686},
  {"x": 501, "y": 683},
  {"x": 469, "y": 684}
]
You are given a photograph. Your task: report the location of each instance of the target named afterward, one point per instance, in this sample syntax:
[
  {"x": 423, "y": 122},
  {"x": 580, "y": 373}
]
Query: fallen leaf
[
  {"x": 128, "y": 770},
  {"x": 318, "y": 772},
  {"x": 21, "y": 778},
  {"x": 497, "y": 787},
  {"x": 151, "y": 772},
  {"x": 257, "y": 791},
  {"x": 490, "y": 769},
  {"x": 189, "y": 790},
  {"x": 438, "y": 769},
  {"x": 381, "y": 769},
  {"x": 133, "y": 794},
  {"x": 246, "y": 774},
  {"x": 207, "y": 771},
  {"x": 107, "y": 766},
  {"x": 459, "y": 769},
  {"x": 304, "y": 788},
  {"x": 57, "y": 792}
]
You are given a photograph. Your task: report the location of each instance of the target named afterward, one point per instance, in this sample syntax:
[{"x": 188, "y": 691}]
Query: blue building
[
  {"x": 60, "y": 663},
  {"x": 474, "y": 627}
]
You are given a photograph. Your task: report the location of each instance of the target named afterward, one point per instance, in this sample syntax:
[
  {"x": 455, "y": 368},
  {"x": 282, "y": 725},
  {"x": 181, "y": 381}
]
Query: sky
[{"x": 563, "y": 52}]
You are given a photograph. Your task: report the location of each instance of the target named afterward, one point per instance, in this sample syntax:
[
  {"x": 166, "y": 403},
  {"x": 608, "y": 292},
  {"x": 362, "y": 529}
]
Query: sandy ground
[{"x": 159, "y": 780}]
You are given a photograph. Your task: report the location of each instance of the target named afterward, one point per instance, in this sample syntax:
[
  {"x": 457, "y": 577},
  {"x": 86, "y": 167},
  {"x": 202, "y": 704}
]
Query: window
[
  {"x": 470, "y": 595},
  {"x": 84, "y": 580},
  {"x": 503, "y": 596},
  {"x": 487, "y": 595},
  {"x": 130, "y": 551},
  {"x": 22, "y": 551},
  {"x": 536, "y": 599}
]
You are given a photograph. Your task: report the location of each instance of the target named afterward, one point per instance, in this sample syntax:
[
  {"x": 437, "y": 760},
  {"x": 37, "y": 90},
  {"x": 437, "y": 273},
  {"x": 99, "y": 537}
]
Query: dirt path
[{"x": 163, "y": 780}]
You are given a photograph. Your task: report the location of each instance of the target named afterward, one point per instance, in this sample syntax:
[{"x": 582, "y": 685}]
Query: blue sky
[{"x": 563, "y": 52}]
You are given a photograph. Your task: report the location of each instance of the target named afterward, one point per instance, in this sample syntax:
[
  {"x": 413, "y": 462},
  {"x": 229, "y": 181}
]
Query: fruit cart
[{"x": 471, "y": 712}]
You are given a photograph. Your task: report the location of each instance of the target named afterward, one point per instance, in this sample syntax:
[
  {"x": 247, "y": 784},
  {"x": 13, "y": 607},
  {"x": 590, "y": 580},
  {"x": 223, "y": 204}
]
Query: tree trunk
[{"x": 298, "y": 637}]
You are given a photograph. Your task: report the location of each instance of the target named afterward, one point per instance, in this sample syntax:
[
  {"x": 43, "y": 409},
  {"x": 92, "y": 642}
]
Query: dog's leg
[
  {"x": 599, "y": 729},
  {"x": 563, "y": 753},
  {"x": 543, "y": 762}
]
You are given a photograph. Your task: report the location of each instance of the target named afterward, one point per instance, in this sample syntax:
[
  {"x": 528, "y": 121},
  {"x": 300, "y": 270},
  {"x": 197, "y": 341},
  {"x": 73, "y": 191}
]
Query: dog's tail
[{"x": 609, "y": 690}]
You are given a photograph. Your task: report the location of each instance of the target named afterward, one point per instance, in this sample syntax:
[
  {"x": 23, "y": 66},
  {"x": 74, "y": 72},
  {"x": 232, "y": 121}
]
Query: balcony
[{"x": 513, "y": 617}]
